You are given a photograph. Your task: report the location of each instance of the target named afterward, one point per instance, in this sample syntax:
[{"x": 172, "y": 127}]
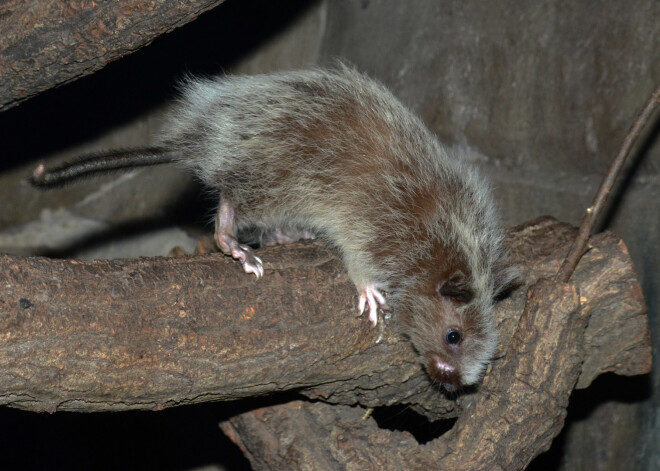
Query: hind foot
[{"x": 225, "y": 237}]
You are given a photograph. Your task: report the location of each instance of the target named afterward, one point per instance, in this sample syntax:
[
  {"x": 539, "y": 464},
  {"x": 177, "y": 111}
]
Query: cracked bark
[
  {"x": 521, "y": 407},
  {"x": 154, "y": 333},
  {"x": 555, "y": 345},
  {"x": 49, "y": 43}
]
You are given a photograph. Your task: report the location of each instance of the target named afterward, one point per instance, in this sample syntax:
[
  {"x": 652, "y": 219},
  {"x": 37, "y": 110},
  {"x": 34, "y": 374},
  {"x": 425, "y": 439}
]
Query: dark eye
[{"x": 453, "y": 336}]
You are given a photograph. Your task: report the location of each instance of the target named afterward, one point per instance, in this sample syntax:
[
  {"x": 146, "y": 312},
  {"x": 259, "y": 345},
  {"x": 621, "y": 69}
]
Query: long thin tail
[{"x": 99, "y": 163}]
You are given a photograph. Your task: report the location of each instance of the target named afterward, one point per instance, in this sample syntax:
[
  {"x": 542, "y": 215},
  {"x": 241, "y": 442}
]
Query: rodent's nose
[{"x": 443, "y": 371}]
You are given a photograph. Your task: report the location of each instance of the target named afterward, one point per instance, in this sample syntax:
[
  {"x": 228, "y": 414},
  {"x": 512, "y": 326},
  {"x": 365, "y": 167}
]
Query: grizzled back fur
[{"x": 333, "y": 151}]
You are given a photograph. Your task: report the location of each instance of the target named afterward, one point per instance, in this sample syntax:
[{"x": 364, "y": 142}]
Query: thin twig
[{"x": 593, "y": 211}]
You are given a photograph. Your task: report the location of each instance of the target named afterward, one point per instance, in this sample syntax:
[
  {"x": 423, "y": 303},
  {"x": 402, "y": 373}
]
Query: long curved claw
[{"x": 251, "y": 263}]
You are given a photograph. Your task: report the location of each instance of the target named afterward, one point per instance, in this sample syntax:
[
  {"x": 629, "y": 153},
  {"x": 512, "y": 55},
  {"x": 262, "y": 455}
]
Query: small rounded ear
[{"x": 455, "y": 288}]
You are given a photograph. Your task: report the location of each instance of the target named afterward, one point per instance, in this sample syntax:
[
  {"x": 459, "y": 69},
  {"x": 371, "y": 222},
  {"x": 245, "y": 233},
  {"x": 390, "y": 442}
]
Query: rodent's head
[{"x": 451, "y": 326}]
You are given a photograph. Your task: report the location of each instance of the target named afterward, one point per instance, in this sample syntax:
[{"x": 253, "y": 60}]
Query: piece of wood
[
  {"x": 154, "y": 333},
  {"x": 46, "y": 43},
  {"x": 519, "y": 411}
]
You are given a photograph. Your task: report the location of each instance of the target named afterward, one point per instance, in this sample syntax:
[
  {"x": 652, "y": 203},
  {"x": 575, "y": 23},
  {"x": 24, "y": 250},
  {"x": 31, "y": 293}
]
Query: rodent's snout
[{"x": 442, "y": 371}]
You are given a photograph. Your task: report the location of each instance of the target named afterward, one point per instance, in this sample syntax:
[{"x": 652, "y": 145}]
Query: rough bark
[
  {"x": 563, "y": 334},
  {"x": 520, "y": 409},
  {"x": 153, "y": 333},
  {"x": 47, "y": 43}
]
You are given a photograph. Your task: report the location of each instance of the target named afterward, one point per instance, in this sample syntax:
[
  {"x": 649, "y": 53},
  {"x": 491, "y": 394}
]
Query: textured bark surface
[
  {"x": 154, "y": 333},
  {"x": 563, "y": 334},
  {"x": 520, "y": 409},
  {"x": 46, "y": 43}
]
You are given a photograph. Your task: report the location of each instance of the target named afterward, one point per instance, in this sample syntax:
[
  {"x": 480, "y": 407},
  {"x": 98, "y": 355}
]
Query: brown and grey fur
[{"x": 334, "y": 153}]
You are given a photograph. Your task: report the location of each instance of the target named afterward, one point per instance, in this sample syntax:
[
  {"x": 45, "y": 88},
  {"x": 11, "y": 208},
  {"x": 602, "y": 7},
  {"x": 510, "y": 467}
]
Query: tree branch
[
  {"x": 563, "y": 339},
  {"x": 49, "y": 43},
  {"x": 520, "y": 409},
  {"x": 153, "y": 333},
  {"x": 593, "y": 211}
]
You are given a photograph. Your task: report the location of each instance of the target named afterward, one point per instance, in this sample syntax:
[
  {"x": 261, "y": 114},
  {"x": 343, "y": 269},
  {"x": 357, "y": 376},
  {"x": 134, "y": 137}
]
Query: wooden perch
[
  {"x": 521, "y": 408},
  {"x": 48, "y": 43},
  {"x": 154, "y": 333},
  {"x": 521, "y": 405}
]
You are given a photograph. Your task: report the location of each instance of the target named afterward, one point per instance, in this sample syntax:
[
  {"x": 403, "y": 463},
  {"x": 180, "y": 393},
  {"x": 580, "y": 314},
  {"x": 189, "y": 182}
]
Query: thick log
[
  {"x": 519, "y": 411},
  {"x": 47, "y": 43},
  {"x": 154, "y": 333}
]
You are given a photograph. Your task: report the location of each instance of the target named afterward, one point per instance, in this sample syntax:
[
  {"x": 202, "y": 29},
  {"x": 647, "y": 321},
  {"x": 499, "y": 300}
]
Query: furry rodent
[{"x": 333, "y": 152}]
